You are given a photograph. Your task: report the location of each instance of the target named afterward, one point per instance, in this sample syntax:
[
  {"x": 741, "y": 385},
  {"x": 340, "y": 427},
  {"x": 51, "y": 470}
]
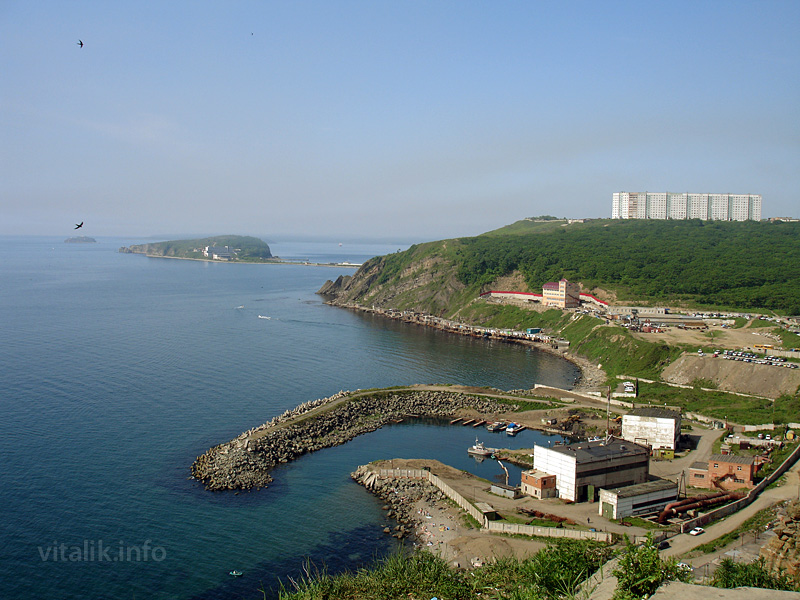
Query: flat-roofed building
[
  {"x": 658, "y": 428},
  {"x": 640, "y": 499},
  {"x": 538, "y": 484},
  {"x": 671, "y": 205},
  {"x": 582, "y": 469},
  {"x": 562, "y": 294}
]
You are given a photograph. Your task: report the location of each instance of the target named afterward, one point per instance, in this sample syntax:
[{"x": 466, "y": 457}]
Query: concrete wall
[{"x": 493, "y": 526}]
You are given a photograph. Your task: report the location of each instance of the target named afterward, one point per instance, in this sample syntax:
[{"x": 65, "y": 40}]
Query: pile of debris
[{"x": 783, "y": 551}]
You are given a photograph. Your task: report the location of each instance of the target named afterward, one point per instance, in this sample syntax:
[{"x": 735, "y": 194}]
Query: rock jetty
[
  {"x": 245, "y": 462},
  {"x": 400, "y": 496}
]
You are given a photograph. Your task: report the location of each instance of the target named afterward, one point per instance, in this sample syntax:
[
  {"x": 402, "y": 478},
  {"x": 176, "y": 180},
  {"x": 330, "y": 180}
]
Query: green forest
[{"x": 734, "y": 264}]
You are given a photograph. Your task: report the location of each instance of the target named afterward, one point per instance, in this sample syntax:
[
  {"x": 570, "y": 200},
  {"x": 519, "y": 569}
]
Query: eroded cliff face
[{"x": 420, "y": 281}]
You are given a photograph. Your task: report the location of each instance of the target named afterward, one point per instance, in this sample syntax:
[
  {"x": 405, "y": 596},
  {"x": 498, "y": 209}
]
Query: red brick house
[{"x": 724, "y": 472}]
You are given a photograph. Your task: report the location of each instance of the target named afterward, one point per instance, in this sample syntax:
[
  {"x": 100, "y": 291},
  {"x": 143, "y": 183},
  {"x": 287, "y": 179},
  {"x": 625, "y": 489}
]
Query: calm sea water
[{"x": 117, "y": 370}]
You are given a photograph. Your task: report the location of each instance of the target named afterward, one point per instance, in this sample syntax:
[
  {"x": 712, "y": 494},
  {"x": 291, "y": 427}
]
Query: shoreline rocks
[
  {"x": 244, "y": 462},
  {"x": 400, "y": 497}
]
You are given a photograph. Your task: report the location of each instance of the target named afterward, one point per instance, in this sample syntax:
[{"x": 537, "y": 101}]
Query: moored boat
[
  {"x": 513, "y": 429},
  {"x": 478, "y": 449},
  {"x": 496, "y": 426}
]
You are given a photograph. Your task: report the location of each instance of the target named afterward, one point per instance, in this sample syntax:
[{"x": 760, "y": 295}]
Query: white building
[
  {"x": 641, "y": 499},
  {"x": 582, "y": 469},
  {"x": 670, "y": 205},
  {"x": 658, "y": 428}
]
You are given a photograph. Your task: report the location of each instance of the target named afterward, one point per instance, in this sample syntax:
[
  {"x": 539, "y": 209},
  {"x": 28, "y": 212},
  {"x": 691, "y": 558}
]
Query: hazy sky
[{"x": 386, "y": 119}]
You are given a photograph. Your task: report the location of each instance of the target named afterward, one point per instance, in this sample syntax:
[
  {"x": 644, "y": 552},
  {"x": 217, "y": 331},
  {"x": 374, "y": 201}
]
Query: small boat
[
  {"x": 513, "y": 429},
  {"x": 479, "y": 449},
  {"x": 263, "y": 317},
  {"x": 496, "y": 426},
  {"x": 240, "y": 307},
  {"x": 235, "y": 573}
]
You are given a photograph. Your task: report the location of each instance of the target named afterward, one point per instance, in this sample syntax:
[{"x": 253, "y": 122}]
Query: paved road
[{"x": 683, "y": 543}]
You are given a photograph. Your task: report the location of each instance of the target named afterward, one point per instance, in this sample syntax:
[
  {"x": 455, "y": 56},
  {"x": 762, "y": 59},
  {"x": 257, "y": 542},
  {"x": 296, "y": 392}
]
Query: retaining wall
[{"x": 493, "y": 526}]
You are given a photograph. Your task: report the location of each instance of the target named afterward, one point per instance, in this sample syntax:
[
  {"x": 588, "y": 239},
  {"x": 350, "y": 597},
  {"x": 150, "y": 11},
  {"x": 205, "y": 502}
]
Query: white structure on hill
[{"x": 669, "y": 205}]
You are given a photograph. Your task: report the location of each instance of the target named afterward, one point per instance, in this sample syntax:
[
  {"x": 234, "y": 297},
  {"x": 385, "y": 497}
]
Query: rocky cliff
[
  {"x": 783, "y": 551},
  {"x": 423, "y": 279}
]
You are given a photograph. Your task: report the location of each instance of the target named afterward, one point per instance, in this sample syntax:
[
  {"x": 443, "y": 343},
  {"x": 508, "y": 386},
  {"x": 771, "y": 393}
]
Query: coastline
[{"x": 592, "y": 377}]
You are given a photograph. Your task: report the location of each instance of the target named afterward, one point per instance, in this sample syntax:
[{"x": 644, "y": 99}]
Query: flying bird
[
  {"x": 80, "y": 43},
  {"x": 79, "y": 225}
]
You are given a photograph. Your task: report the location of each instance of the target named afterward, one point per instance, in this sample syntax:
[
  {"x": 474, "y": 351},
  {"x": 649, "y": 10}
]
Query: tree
[{"x": 640, "y": 570}]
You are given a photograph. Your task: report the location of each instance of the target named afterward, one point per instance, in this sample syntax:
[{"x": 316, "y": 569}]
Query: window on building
[
  {"x": 699, "y": 476},
  {"x": 738, "y": 468},
  {"x": 716, "y": 465}
]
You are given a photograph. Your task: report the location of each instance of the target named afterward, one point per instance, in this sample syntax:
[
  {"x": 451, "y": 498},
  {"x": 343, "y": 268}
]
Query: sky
[{"x": 386, "y": 120}]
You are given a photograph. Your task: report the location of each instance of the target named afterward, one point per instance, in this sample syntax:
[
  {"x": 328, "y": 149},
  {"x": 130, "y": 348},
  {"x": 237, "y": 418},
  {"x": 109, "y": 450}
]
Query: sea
[{"x": 117, "y": 370}]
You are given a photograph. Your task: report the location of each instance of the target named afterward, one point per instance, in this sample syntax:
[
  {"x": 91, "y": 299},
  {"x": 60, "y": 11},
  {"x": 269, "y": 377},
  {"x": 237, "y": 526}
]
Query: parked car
[
  {"x": 697, "y": 531},
  {"x": 685, "y": 567},
  {"x": 663, "y": 545}
]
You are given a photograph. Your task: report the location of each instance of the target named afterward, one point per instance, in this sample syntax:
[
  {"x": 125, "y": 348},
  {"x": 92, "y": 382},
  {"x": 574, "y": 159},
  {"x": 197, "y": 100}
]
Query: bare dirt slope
[
  {"x": 733, "y": 376},
  {"x": 722, "y": 338}
]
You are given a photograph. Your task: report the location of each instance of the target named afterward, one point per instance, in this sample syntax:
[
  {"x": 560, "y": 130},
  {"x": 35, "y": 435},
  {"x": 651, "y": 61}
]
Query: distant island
[
  {"x": 227, "y": 248},
  {"x": 80, "y": 240}
]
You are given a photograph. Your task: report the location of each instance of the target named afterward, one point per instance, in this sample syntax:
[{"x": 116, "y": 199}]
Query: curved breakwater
[{"x": 244, "y": 462}]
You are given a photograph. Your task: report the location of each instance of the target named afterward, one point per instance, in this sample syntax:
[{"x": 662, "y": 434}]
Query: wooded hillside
[
  {"x": 739, "y": 265},
  {"x": 736, "y": 264}
]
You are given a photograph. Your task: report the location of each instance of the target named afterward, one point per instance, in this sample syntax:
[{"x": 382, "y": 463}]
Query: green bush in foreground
[
  {"x": 641, "y": 571},
  {"x": 401, "y": 575},
  {"x": 731, "y": 574},
  {"x": 554, "y": 572}
]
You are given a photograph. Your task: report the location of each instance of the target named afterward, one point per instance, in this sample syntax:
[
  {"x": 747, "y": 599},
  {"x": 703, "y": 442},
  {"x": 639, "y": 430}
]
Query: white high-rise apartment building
[{"x": 669, "y": 205}]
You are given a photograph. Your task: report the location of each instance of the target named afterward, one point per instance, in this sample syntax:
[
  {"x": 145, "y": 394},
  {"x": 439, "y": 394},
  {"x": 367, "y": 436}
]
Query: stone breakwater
[
  {"x": 244, "y": 462},
  {"x": 400, "y": 497}
]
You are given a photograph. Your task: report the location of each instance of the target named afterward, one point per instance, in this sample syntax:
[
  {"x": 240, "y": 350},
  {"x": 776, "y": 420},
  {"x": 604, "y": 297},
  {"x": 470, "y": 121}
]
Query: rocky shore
[
  {"x": 244, "y": 463},
  {"x": 401, "y": 497}
]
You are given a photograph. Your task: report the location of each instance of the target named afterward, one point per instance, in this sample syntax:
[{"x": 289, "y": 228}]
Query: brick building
[
  {"x": 538, "y": 484},
  {"x": 724, "y": 472}
]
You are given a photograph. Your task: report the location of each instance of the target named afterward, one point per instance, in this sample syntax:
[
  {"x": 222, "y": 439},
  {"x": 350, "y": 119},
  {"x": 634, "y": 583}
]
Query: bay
[{"x": 117, "y": 370}]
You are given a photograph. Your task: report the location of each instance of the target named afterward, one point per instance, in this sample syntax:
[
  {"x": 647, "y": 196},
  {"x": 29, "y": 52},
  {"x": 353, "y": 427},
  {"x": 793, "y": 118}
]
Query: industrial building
[
  {"x": 640, "y": 499},
  {"x": 658, "y": 428},
  {"x": 582, "y": 469},
  {"x": 670, "y": 205}
]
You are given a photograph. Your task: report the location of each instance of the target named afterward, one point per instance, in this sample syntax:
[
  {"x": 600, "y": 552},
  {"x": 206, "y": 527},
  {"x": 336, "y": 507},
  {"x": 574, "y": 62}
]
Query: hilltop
[
  {"x": 226, "y": 247},
  {"x": 742, "y": 265}
]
